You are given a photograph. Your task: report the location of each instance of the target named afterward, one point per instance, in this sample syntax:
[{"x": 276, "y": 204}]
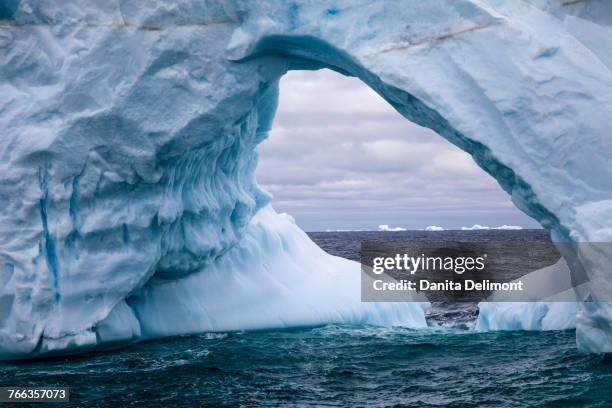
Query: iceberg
[
  {"x": 509, "y": 227},
  {"x": 550, "y": 301},
  {"x": 478, "y": 227},
  {"x": 542, "y": 315},
  {"x": 475, "y": 227},
  {"x": 276, "y": 277},
  {"x": 129, "y": 142},
  {"x": 387, "y": 228},
  {"x": 433, "y": 228}
]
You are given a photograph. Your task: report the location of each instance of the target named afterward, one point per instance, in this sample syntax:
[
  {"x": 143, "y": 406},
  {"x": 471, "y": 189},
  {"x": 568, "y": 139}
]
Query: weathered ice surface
[
  {"x": 129, "y": 132},
  {"x": 549, "y": 301}
]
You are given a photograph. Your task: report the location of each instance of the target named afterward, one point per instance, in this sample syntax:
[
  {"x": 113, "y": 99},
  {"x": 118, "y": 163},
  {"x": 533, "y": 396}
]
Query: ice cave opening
[{"x": 339, "y": 157}]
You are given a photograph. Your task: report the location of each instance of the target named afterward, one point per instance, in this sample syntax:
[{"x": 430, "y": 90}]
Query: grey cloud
[{"x": 340, "y": 157}]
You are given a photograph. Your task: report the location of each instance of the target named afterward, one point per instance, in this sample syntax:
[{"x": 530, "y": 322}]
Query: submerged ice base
[{"x": 129, "y": 144}]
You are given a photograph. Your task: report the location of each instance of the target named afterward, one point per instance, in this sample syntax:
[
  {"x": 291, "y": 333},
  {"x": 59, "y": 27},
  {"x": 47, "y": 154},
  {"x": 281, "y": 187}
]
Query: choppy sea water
[{"x": 446, "y": 365}]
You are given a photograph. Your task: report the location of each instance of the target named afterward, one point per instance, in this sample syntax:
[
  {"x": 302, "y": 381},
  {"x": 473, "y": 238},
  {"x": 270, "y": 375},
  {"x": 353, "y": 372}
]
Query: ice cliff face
[{"x": 129, "y": 134}]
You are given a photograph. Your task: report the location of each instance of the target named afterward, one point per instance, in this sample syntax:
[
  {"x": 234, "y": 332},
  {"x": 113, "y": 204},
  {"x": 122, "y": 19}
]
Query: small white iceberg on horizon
[
  {"x": 509, "y": 227},
  {"x": 387, "y": 228},
  {"x": 477, "y": 227}
]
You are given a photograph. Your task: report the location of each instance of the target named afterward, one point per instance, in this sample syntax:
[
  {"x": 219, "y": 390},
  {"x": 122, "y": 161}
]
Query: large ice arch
[{"x": 129, "y": 137}]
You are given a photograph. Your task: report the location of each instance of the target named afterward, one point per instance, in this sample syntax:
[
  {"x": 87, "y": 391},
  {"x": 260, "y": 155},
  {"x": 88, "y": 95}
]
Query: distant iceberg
[
  {"x": 386, "y": 228},
  {"x": 434, "y": 228},
  {"x": 477, "y": 227}
]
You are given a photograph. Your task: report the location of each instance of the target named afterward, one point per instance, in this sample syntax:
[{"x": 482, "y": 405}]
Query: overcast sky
[{"x": 340, "y": 157}]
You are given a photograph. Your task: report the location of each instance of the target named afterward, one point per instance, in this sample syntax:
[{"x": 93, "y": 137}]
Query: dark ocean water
[{"x": 446, "y": 365}]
